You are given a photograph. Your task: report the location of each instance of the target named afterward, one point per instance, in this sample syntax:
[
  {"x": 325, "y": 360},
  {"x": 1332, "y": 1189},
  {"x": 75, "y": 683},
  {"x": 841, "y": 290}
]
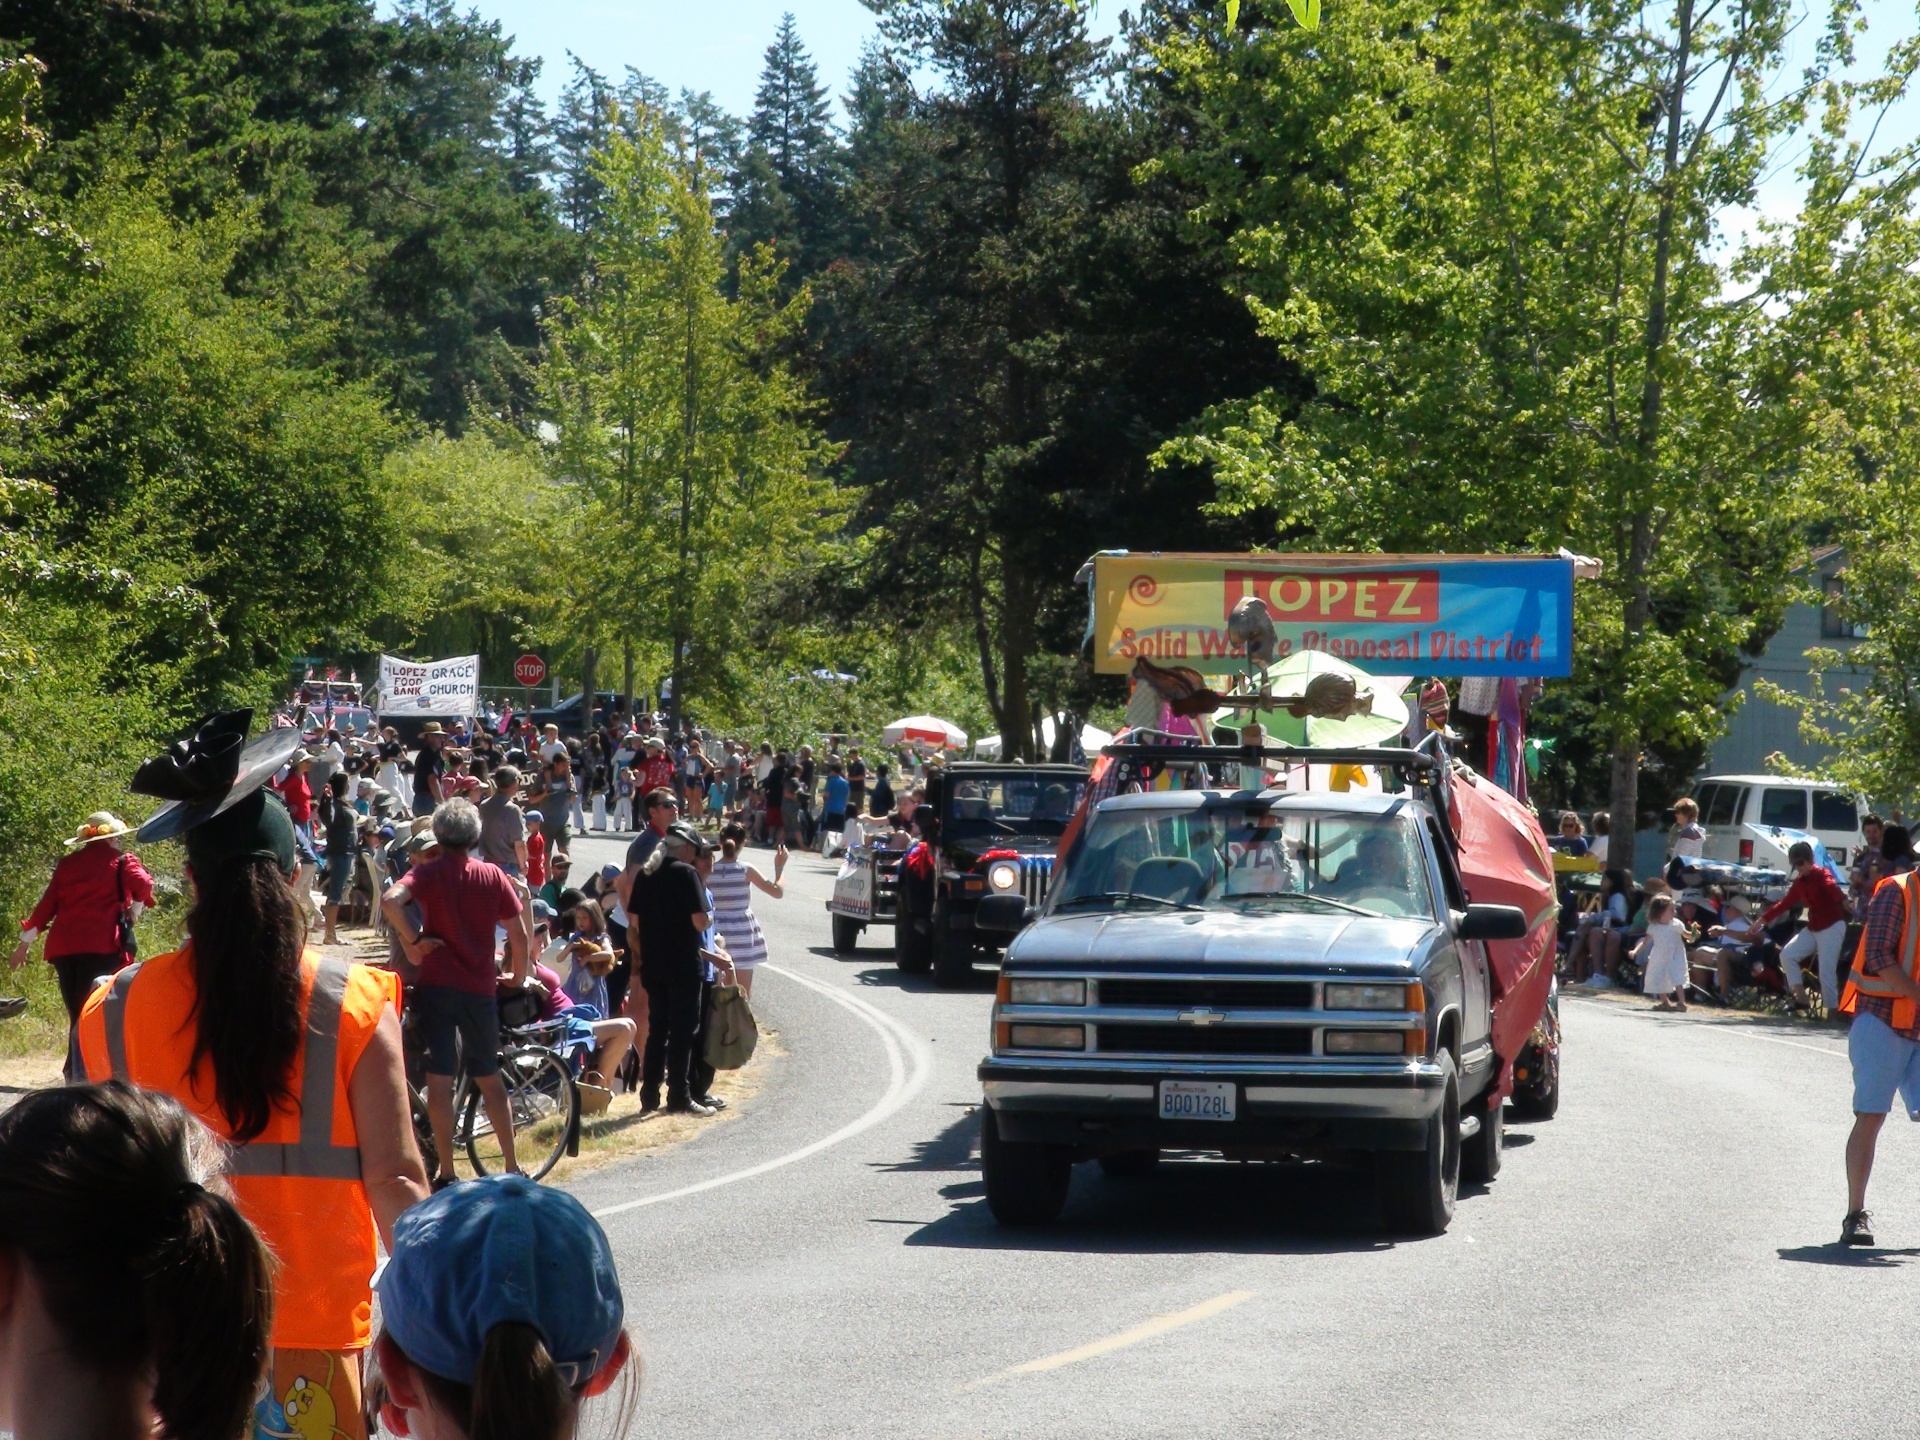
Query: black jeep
[{"x": 996, "y": 831}]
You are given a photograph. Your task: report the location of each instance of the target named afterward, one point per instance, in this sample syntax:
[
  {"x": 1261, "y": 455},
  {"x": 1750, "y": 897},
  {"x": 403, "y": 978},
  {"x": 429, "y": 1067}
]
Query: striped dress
[{"x": 733, "y": 913}]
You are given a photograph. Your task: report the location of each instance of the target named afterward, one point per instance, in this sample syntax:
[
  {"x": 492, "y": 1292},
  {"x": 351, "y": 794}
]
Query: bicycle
[{"x": 542, "y": 1099}]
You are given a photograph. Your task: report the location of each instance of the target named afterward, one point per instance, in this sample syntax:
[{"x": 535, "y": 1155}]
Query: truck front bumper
[{"x": 1114, "y": 1105}]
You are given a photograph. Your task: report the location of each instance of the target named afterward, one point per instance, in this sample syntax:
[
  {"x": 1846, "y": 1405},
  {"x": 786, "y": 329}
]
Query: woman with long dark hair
[
  {"x": 139, "y": 1300},
  {"x": 293, "y": 1059}
]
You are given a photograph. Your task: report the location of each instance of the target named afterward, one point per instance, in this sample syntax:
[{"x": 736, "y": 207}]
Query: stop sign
[{"x": 529, "y": 670}]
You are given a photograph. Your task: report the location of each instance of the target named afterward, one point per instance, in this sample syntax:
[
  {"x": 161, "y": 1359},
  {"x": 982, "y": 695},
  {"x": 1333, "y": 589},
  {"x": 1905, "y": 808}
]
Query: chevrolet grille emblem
[{"x": 1200, "y": 1017}]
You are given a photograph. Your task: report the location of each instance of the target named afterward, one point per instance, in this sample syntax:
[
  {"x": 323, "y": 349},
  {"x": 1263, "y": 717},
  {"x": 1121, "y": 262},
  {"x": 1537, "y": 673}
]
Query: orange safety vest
[
  {"x": 299, "y": 1180},
  {"x": 1858, "y": 984}
]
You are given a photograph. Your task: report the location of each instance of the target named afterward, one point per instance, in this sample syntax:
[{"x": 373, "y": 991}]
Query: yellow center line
[{"x": 1145, "y": 1330}]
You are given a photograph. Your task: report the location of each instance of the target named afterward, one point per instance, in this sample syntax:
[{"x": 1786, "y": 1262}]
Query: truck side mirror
[
  {"x": 1491, "y": 922},
  {"x": 1005, "y": 914}
]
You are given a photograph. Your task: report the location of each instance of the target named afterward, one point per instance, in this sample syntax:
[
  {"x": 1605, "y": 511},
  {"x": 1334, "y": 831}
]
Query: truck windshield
[
  {"x": 1231, "y": 858},
  {"x": 985, "y": 805}
]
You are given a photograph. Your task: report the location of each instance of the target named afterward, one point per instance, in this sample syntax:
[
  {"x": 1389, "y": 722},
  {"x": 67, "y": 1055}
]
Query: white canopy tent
[{"x": 1092, "y": 737}]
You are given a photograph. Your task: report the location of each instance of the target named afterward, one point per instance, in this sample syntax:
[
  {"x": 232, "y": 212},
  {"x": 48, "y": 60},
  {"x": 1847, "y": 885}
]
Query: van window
[
  {"x": 1786, "y": 808},
  {"x": 1704, "y": 797},
  {"x": 1726, "y": 799},
  {"x": 1835, "y": 812}
]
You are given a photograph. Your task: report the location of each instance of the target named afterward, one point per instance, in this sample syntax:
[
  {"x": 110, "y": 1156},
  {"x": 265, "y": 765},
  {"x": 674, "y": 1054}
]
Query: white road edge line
[
  {"x": 1747, "y": 1034},
  {"x": 908, "y": 1065}
]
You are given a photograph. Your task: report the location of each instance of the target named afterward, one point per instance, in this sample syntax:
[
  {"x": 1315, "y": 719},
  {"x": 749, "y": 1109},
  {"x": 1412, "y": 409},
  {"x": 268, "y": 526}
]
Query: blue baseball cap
[
  {"x": 492, "y": 1250},
  {"x": 543, "y": 911}
]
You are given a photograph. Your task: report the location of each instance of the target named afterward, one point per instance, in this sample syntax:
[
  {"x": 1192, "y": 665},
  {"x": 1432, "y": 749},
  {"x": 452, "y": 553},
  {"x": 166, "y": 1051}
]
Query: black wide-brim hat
[{"x": 210, "y": 772}]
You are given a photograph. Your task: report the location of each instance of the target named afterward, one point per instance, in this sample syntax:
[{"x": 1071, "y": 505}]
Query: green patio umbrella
[{"x": 1289, "y": 677}]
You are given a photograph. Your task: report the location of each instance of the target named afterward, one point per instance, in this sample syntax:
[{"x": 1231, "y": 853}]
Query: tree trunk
[
  {"x": 589, "y": 684},
  {"x": 1624, "y": 796},
  {"x": 626, "y": 679}
]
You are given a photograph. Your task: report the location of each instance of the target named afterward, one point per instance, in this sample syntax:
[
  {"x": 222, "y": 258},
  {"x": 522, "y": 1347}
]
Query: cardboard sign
[{"x": 1395, "y": 614}]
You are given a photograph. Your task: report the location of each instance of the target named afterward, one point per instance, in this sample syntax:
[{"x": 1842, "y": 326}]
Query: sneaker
[
  {"x": 1597, "y": 982},
  {"x": 12, "y": 1005},
  {"x": 712, "y": 1102},
  {"x": 1857, "y": 1229},
  {"x": 688, "y": 1107}
]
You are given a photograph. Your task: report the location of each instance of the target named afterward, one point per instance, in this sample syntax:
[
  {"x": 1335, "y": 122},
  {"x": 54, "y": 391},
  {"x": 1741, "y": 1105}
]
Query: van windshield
[{"x": 1243, "y": 858}]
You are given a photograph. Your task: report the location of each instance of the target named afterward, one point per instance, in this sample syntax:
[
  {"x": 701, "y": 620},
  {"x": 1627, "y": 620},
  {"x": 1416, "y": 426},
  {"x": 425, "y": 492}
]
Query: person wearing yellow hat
[{"x": 87, "y": 913}]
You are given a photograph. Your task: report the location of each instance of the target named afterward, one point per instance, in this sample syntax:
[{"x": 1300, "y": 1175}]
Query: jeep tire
[
  {"x": 1418, "y": 1187},
  {"x": 1026, "y": 1184},
  {"x": 953, "y": 953},
  {"x": 912, "y": 950}
]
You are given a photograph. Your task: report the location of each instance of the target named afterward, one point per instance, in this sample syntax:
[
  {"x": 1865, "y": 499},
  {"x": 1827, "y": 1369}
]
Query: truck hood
[{"x": 1342, "y": 942}]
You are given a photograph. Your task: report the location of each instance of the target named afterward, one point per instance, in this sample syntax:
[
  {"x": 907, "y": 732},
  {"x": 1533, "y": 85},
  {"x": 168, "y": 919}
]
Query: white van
[{"x": 1730, "y": 803}]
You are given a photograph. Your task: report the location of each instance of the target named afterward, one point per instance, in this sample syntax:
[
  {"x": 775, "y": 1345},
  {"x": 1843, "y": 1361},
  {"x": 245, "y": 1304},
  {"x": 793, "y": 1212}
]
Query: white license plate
[{"x": 1196, "y": 1100}]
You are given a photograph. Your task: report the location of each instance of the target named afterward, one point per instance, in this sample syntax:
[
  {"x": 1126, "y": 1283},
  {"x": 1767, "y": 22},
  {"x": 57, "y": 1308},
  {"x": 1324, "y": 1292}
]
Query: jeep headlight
[
  {"x": 1003, "y": 875},
  {"x": 1366, "y": 997}
]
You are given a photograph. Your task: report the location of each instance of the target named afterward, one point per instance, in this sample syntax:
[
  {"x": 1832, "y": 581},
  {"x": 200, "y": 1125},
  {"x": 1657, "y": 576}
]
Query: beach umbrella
[
  {"x": 928, "y": 729},
  {"x": 1290, "y": 677},
  {"x": 1092, "y": 740}
]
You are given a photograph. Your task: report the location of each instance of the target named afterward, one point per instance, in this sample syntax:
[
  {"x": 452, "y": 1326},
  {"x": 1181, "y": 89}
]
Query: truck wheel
[
  {"x": 912, "y": 951},
  {"x": 1026, "y": 1184},
  {"x": 952, "y": 958},
  {"x": 846, "y": 934},
  {"x": 1130, "y": 1164},
  {"x": 1538, "y": 1097},
  {"x": 1480, "y": 1157},
  {"x": 1417, "y": 1187}
]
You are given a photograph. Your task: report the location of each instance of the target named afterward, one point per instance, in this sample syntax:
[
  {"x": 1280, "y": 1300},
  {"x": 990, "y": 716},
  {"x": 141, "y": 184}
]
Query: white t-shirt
[
  {"x": 550, "y": 748},
  {"x": 762, "y": 768},
  {"x": 1597, "y": 847},
  {"x": 1688, "y": 841}
]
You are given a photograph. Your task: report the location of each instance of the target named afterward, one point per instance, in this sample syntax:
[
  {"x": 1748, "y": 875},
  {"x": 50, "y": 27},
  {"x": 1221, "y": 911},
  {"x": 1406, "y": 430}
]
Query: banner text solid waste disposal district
[{"x": 1402, "y": 614}]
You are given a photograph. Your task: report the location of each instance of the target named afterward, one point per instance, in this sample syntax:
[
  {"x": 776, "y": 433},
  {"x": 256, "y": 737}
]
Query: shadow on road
[
  {"x": 1186, "y": 1207},
  {"x": 1847, "y": 1256},
  {"x": 891, "y": 977},
  {"x": 952, "y": 1149}
]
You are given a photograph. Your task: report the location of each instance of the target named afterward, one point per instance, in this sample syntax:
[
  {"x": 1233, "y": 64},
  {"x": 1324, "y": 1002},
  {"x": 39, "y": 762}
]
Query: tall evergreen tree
[{"x": 788, "y": 190}]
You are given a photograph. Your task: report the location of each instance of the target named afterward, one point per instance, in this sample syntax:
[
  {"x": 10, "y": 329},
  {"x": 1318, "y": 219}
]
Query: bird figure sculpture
[
  {"x": 1251, "y": 625},
  {"x": 1331, "y": 695},
  {"x": 1182, "y": 690}
]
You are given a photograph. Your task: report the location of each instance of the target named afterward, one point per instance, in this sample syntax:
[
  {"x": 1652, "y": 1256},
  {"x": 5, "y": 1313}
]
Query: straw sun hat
[{"x": 101, "y": 825}]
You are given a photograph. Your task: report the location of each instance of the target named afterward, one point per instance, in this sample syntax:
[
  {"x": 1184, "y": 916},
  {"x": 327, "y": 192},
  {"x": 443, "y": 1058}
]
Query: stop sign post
[{"x": 529, "y": 670}]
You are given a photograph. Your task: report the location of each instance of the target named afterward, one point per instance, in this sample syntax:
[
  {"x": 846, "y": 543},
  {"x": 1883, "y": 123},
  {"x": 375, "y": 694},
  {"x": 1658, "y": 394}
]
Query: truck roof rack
[{"x": 1396, "y": 758}]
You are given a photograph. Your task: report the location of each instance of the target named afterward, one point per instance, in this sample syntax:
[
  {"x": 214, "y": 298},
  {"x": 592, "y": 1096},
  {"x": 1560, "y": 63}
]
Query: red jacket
[
  {"x": 299, "y": 797},
  {"x": 84, "y": 899},
  {"x": 1816, "y": 889}
]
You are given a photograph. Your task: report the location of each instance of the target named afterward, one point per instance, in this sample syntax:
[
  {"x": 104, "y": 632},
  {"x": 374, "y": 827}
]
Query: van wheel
[
  {"x": 1481, "y": 1157},
  {"x": 952, "y": 958},
  {"x": 1418, "y": 1187},
  {"x": 846, "y": 934},
  {"x": 912, "y": 951},
  {"x": 1130, "y": 1164},
  {"x": 1026, "y": 1184}
]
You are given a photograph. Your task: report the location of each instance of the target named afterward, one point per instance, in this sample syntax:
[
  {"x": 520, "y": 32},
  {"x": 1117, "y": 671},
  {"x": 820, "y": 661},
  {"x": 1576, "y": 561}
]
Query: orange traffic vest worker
[
  {"x": 293, "y": 1059},
  {"x": 1883, "y": 1041}
]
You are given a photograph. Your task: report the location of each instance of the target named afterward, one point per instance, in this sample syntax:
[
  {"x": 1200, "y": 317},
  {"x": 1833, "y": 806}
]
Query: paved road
[{"x": 1656, "y": 1262}]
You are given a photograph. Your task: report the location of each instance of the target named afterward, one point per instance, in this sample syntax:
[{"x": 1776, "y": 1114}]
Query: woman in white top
[{"x": 732, "y": 885}]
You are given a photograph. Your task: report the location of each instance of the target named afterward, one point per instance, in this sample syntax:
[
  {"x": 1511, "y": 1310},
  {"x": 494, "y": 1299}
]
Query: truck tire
[
  {"x": 1418, "y": 1187},
  {"x": 1026, "y": 1184},
  {"x": 912, "y": 951},
  {"x": 952, "y": 957},
  {"x": 846, "y": 934},
  {"x": 1130, "y": 1164},
  {"x": 1481, "y": 1156}
]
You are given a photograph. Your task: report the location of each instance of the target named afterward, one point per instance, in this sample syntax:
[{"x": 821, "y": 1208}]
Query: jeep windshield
[
  {"x": 982, "y": 806},
  {"x": 1249, "y": 860}
]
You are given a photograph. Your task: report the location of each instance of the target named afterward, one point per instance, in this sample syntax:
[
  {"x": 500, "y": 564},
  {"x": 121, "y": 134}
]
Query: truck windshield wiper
[
  {"x": 1314, "y": 900},
  {"x": 1124, "y": 895}
]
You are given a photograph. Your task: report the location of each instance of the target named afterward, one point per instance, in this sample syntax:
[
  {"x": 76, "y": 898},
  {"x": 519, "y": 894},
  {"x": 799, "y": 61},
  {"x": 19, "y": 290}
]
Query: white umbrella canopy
[
  {"x": 928, "y": 729},
  {"x": 1092, "y": 740}
]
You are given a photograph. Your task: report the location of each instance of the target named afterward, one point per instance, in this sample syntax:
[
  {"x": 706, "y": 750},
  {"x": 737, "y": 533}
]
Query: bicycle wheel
[{"x": 543, "y": 1102}]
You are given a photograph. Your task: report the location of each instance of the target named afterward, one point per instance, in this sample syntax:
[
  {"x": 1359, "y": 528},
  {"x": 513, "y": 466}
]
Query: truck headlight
[
  {"x": 1366, "y": 1042},
  {"x": 1366, "y": 997},
  {"x": 1046, "y": 992},
  {"x": 1047, "y": 1037},
  {"x": 1003, "y": 875}
]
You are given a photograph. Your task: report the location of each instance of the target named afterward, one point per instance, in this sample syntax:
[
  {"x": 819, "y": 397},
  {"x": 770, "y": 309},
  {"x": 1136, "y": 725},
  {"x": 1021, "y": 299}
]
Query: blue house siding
[{"x": 1759, "y": 727}]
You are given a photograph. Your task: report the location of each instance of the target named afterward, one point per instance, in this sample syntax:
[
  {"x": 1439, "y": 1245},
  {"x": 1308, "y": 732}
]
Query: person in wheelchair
[{"x": 593, "y": 1042}]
